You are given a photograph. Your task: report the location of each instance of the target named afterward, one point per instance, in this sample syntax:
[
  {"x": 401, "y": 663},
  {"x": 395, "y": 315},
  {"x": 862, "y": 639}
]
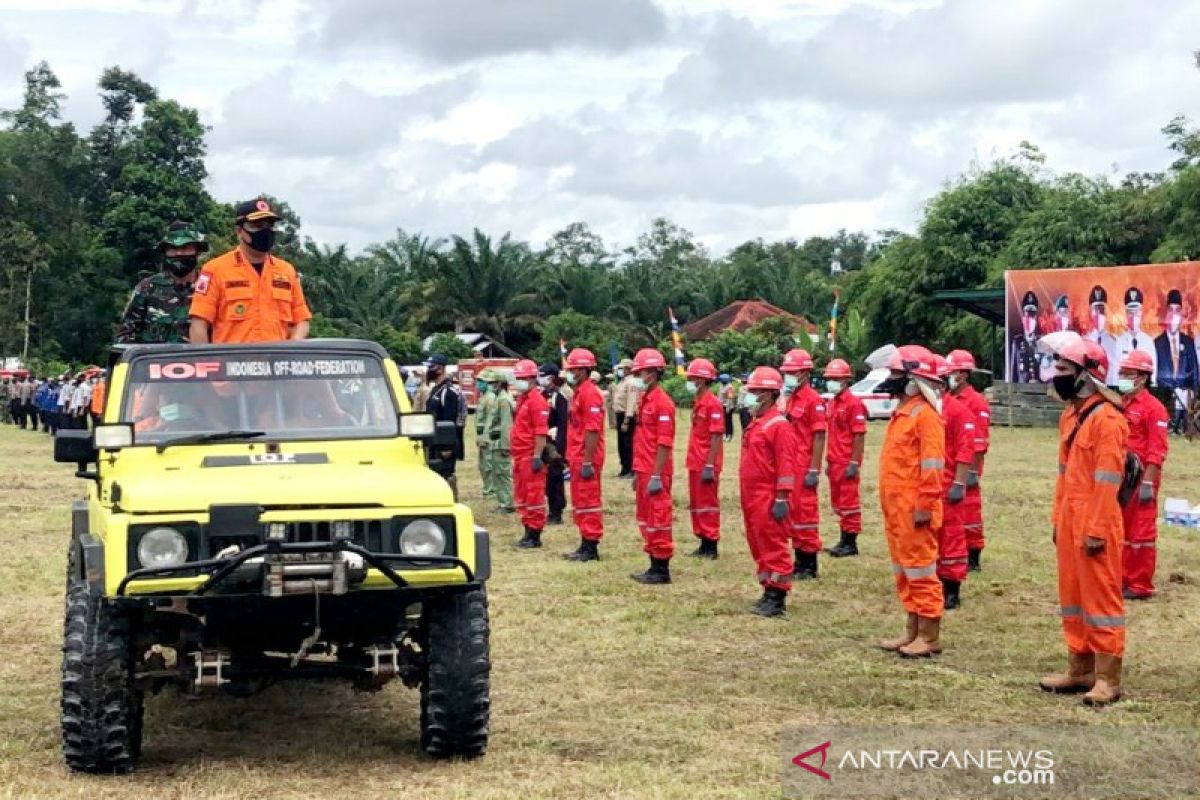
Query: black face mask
[
  {"x": 893, "y": 386},
  {"x": 262, "y": 240},
  {"x": 1066, "y": 386},
  {"x": 181, "y": 265},
  {"x": 434, "y": 373}
]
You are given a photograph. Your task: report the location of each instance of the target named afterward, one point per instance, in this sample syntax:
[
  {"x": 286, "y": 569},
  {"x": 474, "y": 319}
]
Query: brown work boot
[
  {"x": 910, "y": 633},
  {"x": 1107, "y": 689},
  {"x": 926, "y": 644},
  {"x": 1079, "y": 677}
]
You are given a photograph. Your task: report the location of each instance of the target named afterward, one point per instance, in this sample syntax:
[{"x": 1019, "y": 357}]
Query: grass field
[{"x": 604, "y": 688}]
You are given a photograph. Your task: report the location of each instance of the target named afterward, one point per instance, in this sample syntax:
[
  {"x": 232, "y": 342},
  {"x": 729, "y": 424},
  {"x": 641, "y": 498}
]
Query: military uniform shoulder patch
[{"x": 203, "y": 282}]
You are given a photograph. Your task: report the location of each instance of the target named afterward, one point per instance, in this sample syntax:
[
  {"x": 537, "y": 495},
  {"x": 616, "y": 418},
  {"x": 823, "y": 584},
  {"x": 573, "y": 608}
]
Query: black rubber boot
[
  {"x": 773, "y": 604},
  {"x": 658, "y": 573},
  {"x": 707, "y": 549},
  {"x": 973, "y": 560},
  {"x": 531, "y": 540},
  {"x": 588, "y": 551},
  {"x": 806, "y": 566},
  {"x": 846, "y": 546},
  {"x": 950, "y": 594}
]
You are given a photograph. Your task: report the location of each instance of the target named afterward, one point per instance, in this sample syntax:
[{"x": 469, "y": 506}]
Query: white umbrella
[{"x": 879, "y": 359}]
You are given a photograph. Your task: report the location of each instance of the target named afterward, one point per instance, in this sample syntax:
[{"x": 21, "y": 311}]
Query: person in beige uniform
[{"x": 625, "y": 406}]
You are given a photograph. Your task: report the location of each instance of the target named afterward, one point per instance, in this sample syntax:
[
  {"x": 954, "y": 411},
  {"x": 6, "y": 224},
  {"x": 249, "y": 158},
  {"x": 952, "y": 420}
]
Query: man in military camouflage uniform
[
  {"x": 5, "y": 400},
  {"x": 158, "y": 309},
  {"x": 485, "y": 406},
  {"x": 499, "y": 434}
]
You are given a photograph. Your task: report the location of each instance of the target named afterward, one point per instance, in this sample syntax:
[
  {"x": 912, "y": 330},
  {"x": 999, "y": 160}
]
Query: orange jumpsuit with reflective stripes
[
  {"x": 1085, "y": 504},
  {"x": 768, "y": 468},
  {"x": 910, "y": 479}
]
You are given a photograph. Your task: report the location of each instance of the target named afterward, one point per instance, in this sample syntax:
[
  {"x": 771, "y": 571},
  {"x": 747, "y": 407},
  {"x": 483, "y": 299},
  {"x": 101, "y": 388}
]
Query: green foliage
[
  {"x": 676, "y": 387},
  {"x": 450, "y": 346},
  {"x": 738, "y": 353},
  {"x": 577, "y": 330},
  {"x": 404, "y": 346}
]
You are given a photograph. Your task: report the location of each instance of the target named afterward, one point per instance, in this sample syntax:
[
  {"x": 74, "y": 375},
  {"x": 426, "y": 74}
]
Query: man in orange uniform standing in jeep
[{"x": 806, "y": 412}]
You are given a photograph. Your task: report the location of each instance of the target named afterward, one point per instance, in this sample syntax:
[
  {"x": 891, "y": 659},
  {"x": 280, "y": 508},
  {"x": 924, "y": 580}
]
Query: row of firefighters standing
[{"x": 931, "y": 464}]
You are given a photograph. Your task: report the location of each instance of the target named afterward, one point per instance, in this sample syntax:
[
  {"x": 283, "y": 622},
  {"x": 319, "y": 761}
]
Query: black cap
[
  {"x": 1134, "y": 295},
  {"x": 1174, "y": 298},
  {"x": 1098, "y": 295},
  {"x": 1030, "y": 299},
  {"x": 253, "y": 210},
  {"x": 549, "y": 368},
  {"x": 437, "y": 360}
]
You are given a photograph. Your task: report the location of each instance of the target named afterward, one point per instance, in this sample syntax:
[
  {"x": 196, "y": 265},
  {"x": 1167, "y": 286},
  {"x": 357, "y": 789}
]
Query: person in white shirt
[
  {"x": 1134, "y": 337},
  {"x": 1098, "y": 300}
]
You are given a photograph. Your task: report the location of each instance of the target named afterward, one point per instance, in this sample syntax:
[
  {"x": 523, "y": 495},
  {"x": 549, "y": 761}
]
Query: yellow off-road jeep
[{"x": 263, "y": 512}]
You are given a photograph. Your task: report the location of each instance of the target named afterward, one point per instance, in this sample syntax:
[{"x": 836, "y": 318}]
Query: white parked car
[{"x": 879, "y": 405}]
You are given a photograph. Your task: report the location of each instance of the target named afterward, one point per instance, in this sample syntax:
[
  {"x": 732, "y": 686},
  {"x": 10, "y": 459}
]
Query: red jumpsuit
[
  {"x": 847, "y": 419},
  {"x": 1085, "y": 504},
  {"x": 532, "y": 420},
  {"x": 806, "y": 412},
  {"x": 960, "y": 449},
  {"x": 1148, "y": 423},
  {"x": 708, "y": 420},
  {"x": 768, "y": 467},
  {"x": 972, "y": 506},
  {"x": 910, "y": 479},
  {"x": 655, "y": 428},
  {"x": 587, "y": 414}
]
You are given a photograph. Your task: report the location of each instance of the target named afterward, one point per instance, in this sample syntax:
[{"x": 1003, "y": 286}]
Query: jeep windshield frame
[{"x": 303, "y": 391}]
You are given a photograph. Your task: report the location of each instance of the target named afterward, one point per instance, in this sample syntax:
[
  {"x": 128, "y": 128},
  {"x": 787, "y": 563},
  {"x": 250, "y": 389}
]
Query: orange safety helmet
[
  {"x": 1088, "y": 356},
  {"x": 837, "y": 368},
  {"x": 648, "y": 358},
  {"x": 960, "y": 360},
  {"x": 915, "y": 359},
  {"x": 525, "y": 369},
  {"x": 579, "y": 358},
  {"x": 702, "y": 368},
  {"x": 796, "y": 360},
  {"x": 1138, "y": 361},
  {"x": 765, "y": 378}
]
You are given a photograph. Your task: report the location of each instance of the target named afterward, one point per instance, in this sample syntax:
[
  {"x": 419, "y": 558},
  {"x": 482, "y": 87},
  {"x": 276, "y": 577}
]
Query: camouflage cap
[
  {"x": 488, "y": 375},
  {"x": 181, "y": 234}
]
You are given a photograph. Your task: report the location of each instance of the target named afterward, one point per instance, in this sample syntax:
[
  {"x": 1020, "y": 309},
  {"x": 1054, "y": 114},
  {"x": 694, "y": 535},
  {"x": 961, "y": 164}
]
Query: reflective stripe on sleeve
[
  {"x": 1141, "y": 545},
  {"x": 1104, "y": 476},
  {"x": 932, "y": 463}
]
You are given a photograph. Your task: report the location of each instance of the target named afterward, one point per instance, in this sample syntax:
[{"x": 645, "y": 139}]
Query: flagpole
[{"x": 677, "y": 343}]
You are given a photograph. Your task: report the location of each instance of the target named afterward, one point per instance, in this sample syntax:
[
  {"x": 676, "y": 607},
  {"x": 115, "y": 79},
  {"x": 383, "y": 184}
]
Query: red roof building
[{"x": 740, "y": 316}]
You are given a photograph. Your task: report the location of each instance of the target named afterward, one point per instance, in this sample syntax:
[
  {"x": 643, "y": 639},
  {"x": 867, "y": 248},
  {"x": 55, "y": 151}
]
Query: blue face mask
[
  {"x": 692, "y": 387},
  {"x": 522, "y": 385},
  {"x": 639, "y": 383},
  {"x": 790, "y": 381},
  {"x": 1126, "y": 385},
  {"x": 750, "y": 401},
  {"x": 572, "y": 378}
]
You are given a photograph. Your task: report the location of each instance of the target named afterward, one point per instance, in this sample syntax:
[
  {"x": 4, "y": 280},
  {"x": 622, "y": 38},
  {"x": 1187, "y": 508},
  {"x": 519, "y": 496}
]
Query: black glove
[
  {"x": 811, "y": 478},
  {"x": 655, "y": 485},
  {"x": 956, "y": 494},
  {"x": 779, "y": 510},
  {"x": 536, "y": 464},
  {"x": 708, "y": 474},
  {"x": 972, "y": 478},
  {"x": 1146, "y": 492},
  {"x": 851, "y": 471},
  {"x": 587, "y": 472}
]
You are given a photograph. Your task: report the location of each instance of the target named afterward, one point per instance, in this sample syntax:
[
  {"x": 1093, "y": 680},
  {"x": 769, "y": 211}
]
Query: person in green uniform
[
  {"x": 485, "y": 414},
  {"x": 157, "y": 312},
  {"x": 500, "y": 461}
]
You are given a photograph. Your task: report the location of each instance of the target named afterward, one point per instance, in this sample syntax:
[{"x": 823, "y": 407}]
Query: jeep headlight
[
  {"x": 422, "y": 537},
  {"x": 162, "y": 547}
]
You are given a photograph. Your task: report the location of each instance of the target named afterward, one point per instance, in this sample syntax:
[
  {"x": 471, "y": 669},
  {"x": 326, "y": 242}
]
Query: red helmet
[
  {"x": 796, "y": 361},
  {"x": 1086, "y": 355},
  {"x": 1138, "y": 361},
  {"x": 960, "y": 360},
  {"x": 941, "y": 365},
  {"x": 648, "y": 358},
  {"x": 525, "y": 369},
  {"x": 765, "y": 378},
  {"x": 915, "y": 359},
  {"x": 837, "y": 368},
  {"x": 580, "y": 358},
  {"x": 702, "y": 368}
]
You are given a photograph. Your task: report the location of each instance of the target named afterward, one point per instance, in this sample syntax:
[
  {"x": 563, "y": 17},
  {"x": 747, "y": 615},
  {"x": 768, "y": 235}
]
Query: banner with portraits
[{"x": 1150, "y": 307}]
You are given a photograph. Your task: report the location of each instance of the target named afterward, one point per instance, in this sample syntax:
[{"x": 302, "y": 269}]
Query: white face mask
[
  {"x": 834, "y": 386},
  {"x": 954, "y": 381},
  {"x": 544, "y": 381},
  {"x": 911, "y": 389}
]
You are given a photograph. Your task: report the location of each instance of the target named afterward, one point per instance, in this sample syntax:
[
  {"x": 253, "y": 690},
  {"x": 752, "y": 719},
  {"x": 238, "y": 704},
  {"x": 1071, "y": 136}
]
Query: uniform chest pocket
[
  {"x": 236, "y": 302},
  {"x": 283, "y": 302}
]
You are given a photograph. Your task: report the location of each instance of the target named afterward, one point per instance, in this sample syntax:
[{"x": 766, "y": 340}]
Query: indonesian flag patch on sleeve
[{"x": 202, "y": 283}]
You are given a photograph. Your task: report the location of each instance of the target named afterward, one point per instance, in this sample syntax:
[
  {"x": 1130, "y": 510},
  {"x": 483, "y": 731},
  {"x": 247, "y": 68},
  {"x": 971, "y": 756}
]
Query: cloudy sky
[{"x": 735, "y": 118}]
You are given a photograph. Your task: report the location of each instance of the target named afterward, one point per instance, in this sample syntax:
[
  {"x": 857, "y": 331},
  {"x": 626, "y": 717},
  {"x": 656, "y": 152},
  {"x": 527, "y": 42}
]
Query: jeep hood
[{"x": 315, "y": 485}]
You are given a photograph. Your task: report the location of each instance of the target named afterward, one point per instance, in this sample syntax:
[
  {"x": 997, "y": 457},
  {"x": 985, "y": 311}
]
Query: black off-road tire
[
  {"x": 455, "y": 695},
  {"x": 101, "y": 707}
]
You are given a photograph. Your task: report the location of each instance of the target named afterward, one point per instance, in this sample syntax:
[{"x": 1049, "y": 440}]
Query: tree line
[{"x": 81, "y": 215}]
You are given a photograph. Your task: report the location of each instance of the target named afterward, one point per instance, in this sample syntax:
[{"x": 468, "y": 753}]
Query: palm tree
[{"x": 486, "y": 287}]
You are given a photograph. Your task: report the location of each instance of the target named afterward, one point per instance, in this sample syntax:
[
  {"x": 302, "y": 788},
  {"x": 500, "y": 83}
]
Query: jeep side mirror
[{"x": 75, "y": 447}]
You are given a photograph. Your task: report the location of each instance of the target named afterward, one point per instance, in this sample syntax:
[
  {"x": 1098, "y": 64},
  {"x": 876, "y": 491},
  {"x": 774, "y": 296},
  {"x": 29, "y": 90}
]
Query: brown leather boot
[
  {"x": 1107, "y": 689},
  {"x": 1079, "y": 677},
  {"x": 910, "y": 633},
  {"x": 926, "y": 644}
]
